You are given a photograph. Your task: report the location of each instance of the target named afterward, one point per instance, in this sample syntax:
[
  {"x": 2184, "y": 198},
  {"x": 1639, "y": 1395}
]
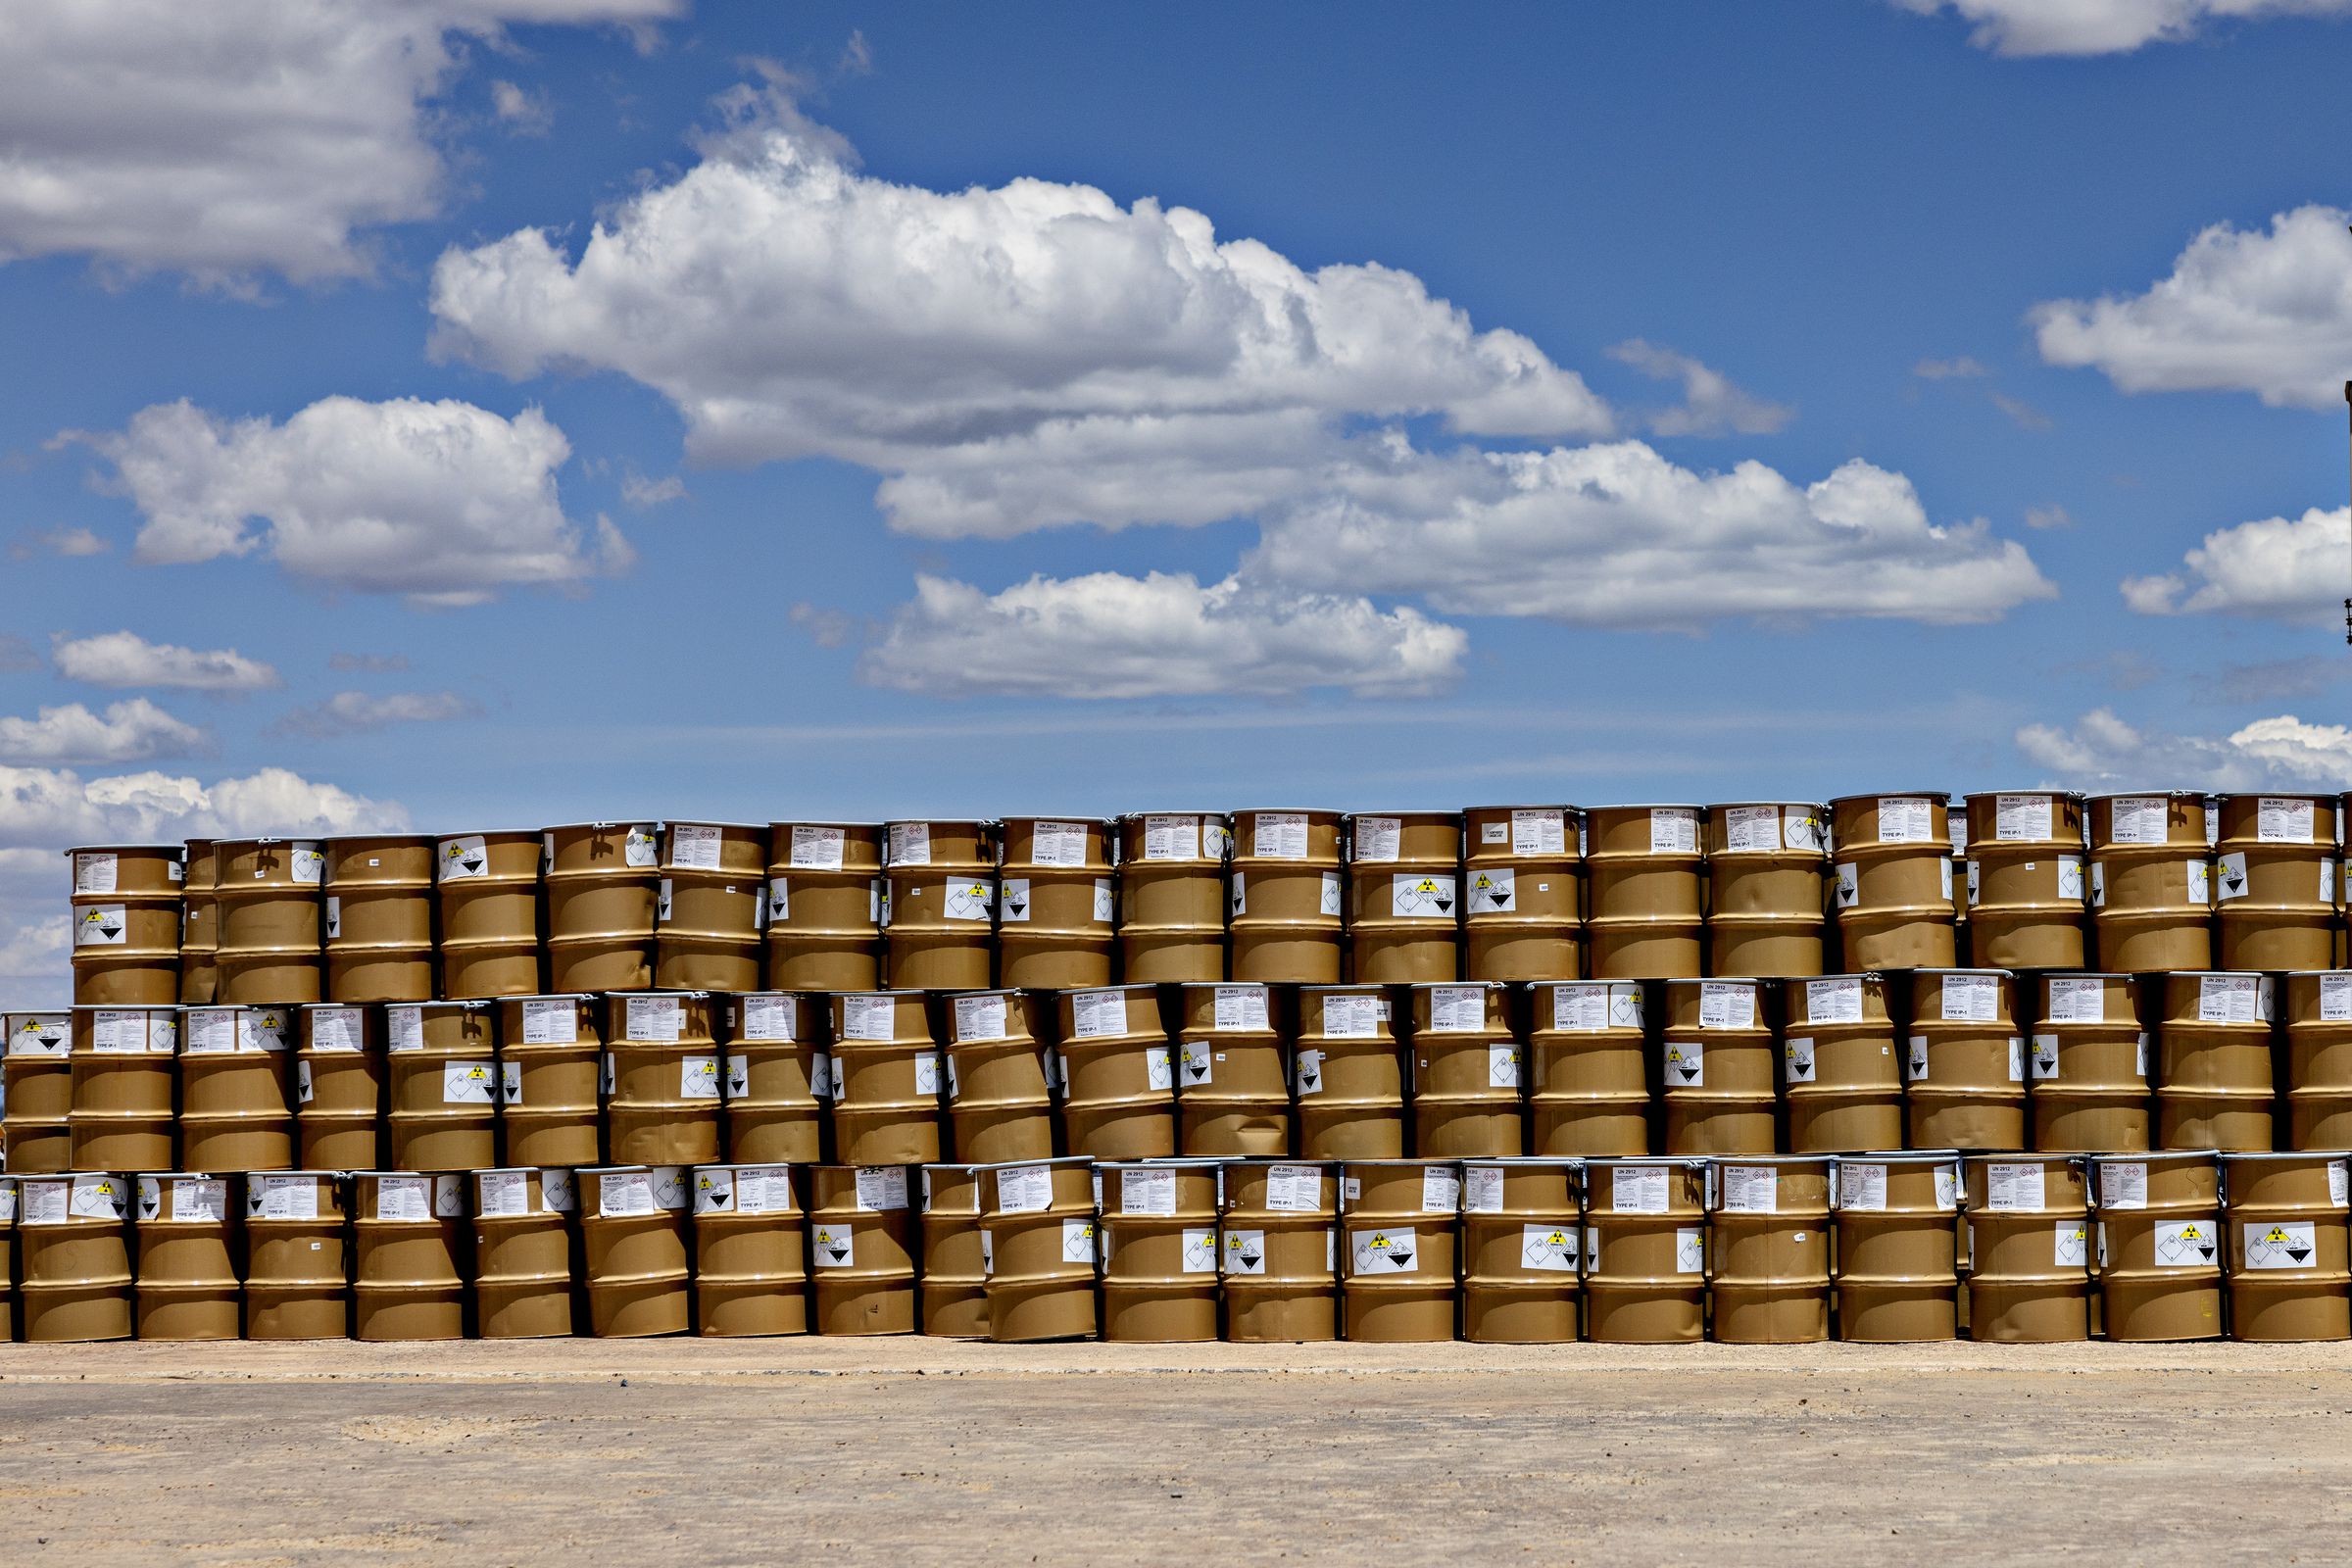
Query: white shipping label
[
  {"x": 463, "y": 858},
  {"x": 780, "y": 901},
  {"x": 466, "y": 1083},
  {"x": 2098, "y": 886},
  {"x": 1457, "y": 1010},
  {"x": 1310, "y": 1072},
  {"x": 1024, "y": 1188},
  {"x": 1690, "y": 1250},
  {"x": 303, "y": 1093},
  {"x": 1947, "y": 1187},
  {"x": 1538, "y": 832},
  {"x": 1158, "y": 1071},
  {"x": 1481, "y": 1189},
  {"x": 820, "y": 1076},
  {"x": 2336, "y": 999},
  {"x": 1726, "y": 1005},
  {"x": 283, "y": 1196},
  {"x": 1061, "y": 843},
  {"x": 1245, "y": 1252},
  {"x": 408, "y": 1197},
  {"x": 1148, "y": 1192},
  {"x": 1549, "y": 1248},
  {"x": 1199, "y": 1249},
  {"x": 334, "y": 915},
  {"x": 101, "y": 925},
  {"x": 1198, "y": 1065},
  {"x": 502, "y": 1194},
  {"x": 1376, "y": 838},
  {"x": 1493, "y": 833},
  {"x": 739, "y": 1079},
  {"x": 2335, "y": 1183},
  {"x": 1440, "y": 1191},
  {"x": 1916, "y": 1062},
  {"x": 816, "y": 848},
  {"x": 763, "y": 1189},
  {"x": 1279, "y": 836},
  {"x": 94, "y": 874},
  {"x": 1685, "y": 1065},
  {"x": 1637, "y": 1189},
  {"x": 509, "y": 1083},
  {"x": 1849, "y": 885},
  {"x": 1241, "y": 1006},
  {"x": 1078, "y": 1241},
  {"x": 1838, "y": 1000},
  {"x": 1171, "y": 838},
  {"x": 1332, "y": 894},
  {"x": 44, "y": 1202},
  {"x": 2075, "y": 999},
  {"x": 1945, "y": 866},
  {"x": 2277, "y": 819},
  {"x": 2024, "y": 818},
  {"x": 1673, "y": 830},
  {"x": 1295, "y": 1189},
  {"x": 882, "y": 1188},
  {"x": 1862, "y": 1188},
  {"x": 1421, "y": 898},
  {"x": 2186, "y": 1243},
  {"x": 1976, "y": 883},
  {"x": 2045, "y": 1057},
  {"x": 42, "y": 1036},
  {"x": 1955, "y": 825},
  {"x": 867, "y": 1017},
  {"x": 910, "y": 844},
  {"x": 306, "y": 864},
  {"x": 1492, "y": 892},
  {"x": 2123, "y": 1184},
  {"x": 697, "y": 1078},
  {"x": 2225, "y": 999},
  {"x": 1751, "y": 827},
  {"x": 1971, "y": 998},
  {"x": 1096, "y": 1013},
  {"x": 1906, "y": 819},
  {"x": 836, "y": 1247},
  {"x": 2232, "y": 873},
  {"x": 714, "y": 1190},
  {"x": 1580, "y": 1007},
  {"x": 2013, "y": 1186},
  {"x": 641, "y": 847},
  {"x": 654, "y": 1018},
  {"x": 1237, "y": 899},
  {"x": 969, "y": 900},
  {"x": 2069, "y": 876},
  {"x": 199, "y": 1197},
  {"x": 1750, "y": 1190},
  {"x": 404, "y": 1028},
  {"x": 2198, "y": 874},
  {"x": 1382, "y": 1252},
  {"x": 2140, "y": 818},
  {"x": 551, "y": 1021},
  {"x": 979, "y": 1018},
  {"x": 2017, "y": 1059},
  {"x": 770, "y": 1020},
  {"x": 124, "y": 1032},
  {"x": 2071, "y": 1243},
  {"x": 1350, "y": 1017},
  {"x": 1107, "y": 906},
  {"x": 1802, "y": 827},
  {"x": 1799, "y": 1052},
  {"x": 1503, "y": 1066},
  {"x": 261, "y": 1029},
  {"x": 2291, "y": 1244}
]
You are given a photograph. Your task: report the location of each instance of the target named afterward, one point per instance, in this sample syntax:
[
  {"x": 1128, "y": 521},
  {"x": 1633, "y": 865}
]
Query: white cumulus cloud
[
  {"x": 2266, "y": 312},
  {"x": 1711, "y": 404},
  {"x": 443, "y": 503},
  {"x": 358, "y": 712},
  {"x": 2101, "y": 751},
  {"x": 791, "y": 306},
  {"x": 230, "y": 138},
  {"x": 126, "y": 659},
  {"x": 126, "y": 732},
  {"x": 1162, "y": 635},
  {"x": 2105, "y": 26},
  {"x": 2277, "y": 568},
  {"x": 1616, "y": 535}
]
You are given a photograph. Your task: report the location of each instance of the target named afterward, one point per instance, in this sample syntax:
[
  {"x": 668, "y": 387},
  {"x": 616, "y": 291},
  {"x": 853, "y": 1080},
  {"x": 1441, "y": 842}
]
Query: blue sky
[{"x": 1577, "y": 403}]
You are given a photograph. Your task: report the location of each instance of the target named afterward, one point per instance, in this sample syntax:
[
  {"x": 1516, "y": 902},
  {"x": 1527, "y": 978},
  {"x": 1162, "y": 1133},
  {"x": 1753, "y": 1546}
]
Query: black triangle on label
[
  {"x": 1444, "y": 903},
  {"x": 2207, "y": 1250},
  {"x": 472, "y": 862},
  {"x": 1687, "y": 1072},
  {"x": 1401, "y": 1259},
  {"x": 837, "y": 1253},
  {"x": 2298, "y": 1253},
  {"x": 109, "y": 931},
  {"x": 1249, "y": 1259},
  {"x": 1196, "y": 1071}
]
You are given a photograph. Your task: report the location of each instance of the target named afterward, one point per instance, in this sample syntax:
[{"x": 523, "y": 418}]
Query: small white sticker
[
  {"x": 1024, "y": 1188},
  {"x": 654, "y": 1018},
  {"x": 1638, "y": 1190},
  {"x": 1376, "y": 838},
  {"x": 1457, "y": 1010},
  {"x": 1833, "y": 1001},
  {"x": 909, "y": 843},
  {"x": 1726, "y": 1005},
  {"x": 979, "y": 1017},
  {"x": 1751, "y": 1189},
  {"x": 1906, "y": 819},
  {"x": 1673, "y": 830},
  {"x": 1538, "y": 832},
  {"x": 1481, "y": 1189},
  {"x": 467, "y": 1083},
  {"x": 1240, "y": 1007},
  {"x": 1685, "y": 1065},
  {"x": 881, "y": 1188},
  {"x": 1147, "y": 1192},
  {"x": 1862, "y": 1188},
  {"x": 697, "y": 1078}
]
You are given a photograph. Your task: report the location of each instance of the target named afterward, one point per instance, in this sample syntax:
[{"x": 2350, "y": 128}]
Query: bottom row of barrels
[{"x": 1895, "y": 1247}]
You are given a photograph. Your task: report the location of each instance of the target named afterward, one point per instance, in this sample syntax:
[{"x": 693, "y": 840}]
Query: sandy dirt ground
[{"x": 918, "y": 1452}]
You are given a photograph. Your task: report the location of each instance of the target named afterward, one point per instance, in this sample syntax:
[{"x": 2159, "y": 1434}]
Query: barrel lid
[
  {"x": 626, "y": 994},
  {"x": 806, "y": 995},
  {"x": 941, "y": 821},
  {"x": 834, "y": 995},
  {"x": 819, "y": 822},
  {"x": 945, "y": 1164},
  {"x": 1772, "y": 1159},
  {"x": 1057, "y": 817},
  {"x": 1647, "y": 805},
  {"x": 2088, "y": 974},
  {"x": 186, "y": 1175},
  {"x": 1290, "y": 810},
  {"x": 711, "y": 822},
  {"x": 2154, "y": 1157},
  {"x": 558, "y": 827},
  {"x": 1417, "y": 1165},
  {"x": 2006, "y": 974},
  {"x": 1450, "y": 813},
  {"x": 1809, "y": 806},
  {"x": 450, "y": 1001},
  {"x": 2201, "y": 974},
  {"x": 1359, "y": 988},
  {"x": 1279, "y": 1159},
  {"x": 1451, "y": 985},
  {"x": 508, "y": 832},
  {"x": 1856, "y": 974},
  {"x": 268, "y": 838},
  {"x": 1137, "y": 817},
  {"x": 1899, "y": 1156},
  {"x": 377, "y": 838},
  {"x": 172, "y": 848},
  {"x": 614, "y": 1170},
  {"x": 2329, "y": 796},
  {"x": 2055, "y": 795},
  {"x": 38, "y": 1012},
  {"x": 1189, "y": 1163},
  {"x": 1018, "y": 1164},
  {"x": 1227, "y": 985},
  {"x": 1530, "y": 805},
  {"x": 1089, "y": 991},
  {"x": 450, "y": 1174},
  {"x": 328, "y": 1174},
  {"x": 1893, "y": 794},
  {"x": 553, "y": 996},
  {"x": 2022, "y": 1158},
  {"x": 2173, "y": 795},
  {"x": 2296, "y": 972},
  {"x": 162, "y": 1007},
  {"x": 2296, "y": 1154},
  {"x": 1525, "y": 1161},
  {"x": 1688, "y": 1161}
]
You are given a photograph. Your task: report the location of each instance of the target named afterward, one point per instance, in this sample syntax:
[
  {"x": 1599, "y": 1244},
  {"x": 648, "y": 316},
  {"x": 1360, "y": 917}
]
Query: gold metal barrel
[
  {"x": 2027, "y": 905},
  {"x": 1284, "y": 903},
  {"x": 633, "y": 1221},
  {"x": 1765, "y": 863},
  {"x": 525, "y": 1252},
  {"x": 1646, "y": 1254},
  {"x": 2274, "y": 882},
  {"x": 1057, "y": 903},
  {"x": 550, "y": 1051},
  {"x": 1278, "y": 1267},
  {"x": 2159, "y": 1245},
  {"x": 708, "y": 923},
  {"x": 1465, "y": 1073},
  {"x": 236, "y": 1096},
  {"x": 1894, "y": 893},
  {"x": 2151, "y": 887},
  {"x": 2319, "y": 1060},
  {"x": 36, "y": 1086},
  {"x": 442, "y": 1083},
  {"x": 1842, "y": 1074},
  {"x": 2089, "y": 1065},
  {"x": 604, "y": 898},
  {"x": 1522, "y": 1250},
  {"x": 955, "y": 1293},
  {"x": 751, "y": 1252},
  {"x": 488, "y": 888},
  {"x": 187, "y": 1275},
  {"x": 1397, "y": 1260},
  {"x": 1770, "y": 1237},
  {"x": 273, "y": 920},
  {"x": 886, "y": 1081},
  {"x": 860, "y": 1253},
  {"x": 121, "y": 1063},
  {"x": 74, "y": 1282},
  {"x": 1160, "y": 1251},
  {"x": 1966, "y": 1061},
  {"x": 199, "y": 926},
  {"x": 1119, "y": 1073},
  {"x": 1042, "y": 1252},
  {"x": 1523, "y": 893},
  {"x": 1591, "y": 1070},
  {"x": 1897, "y": 1247},
  {"x": 298, "y": 1258},
  {"x": 127, "y": 906},
  {"x": 1645, "y": 914},
  {"x": 2286, "y": 1255},
  {"x": 339, "y": 1086},
  {"x": 1233, "y": 1092},
  {"x": 2214, "y": 1084},
  {"x": 379, "y": 918},
  {"x": 411, "y": 1232},
  {"x": 774, "y": 1114},
  {"x": 940, "y": 910},
  {"x": 1404, "y": 911},
  {"x": 1172, "y": 895},
  {"x": 662, "y": 1079},
  {"x": 1000, "y": 1101},
  {"x": 2029, "y": 1248},
  {"x": 1349, "y": 1071},
  {"x": 1719, "y": 1065},
  {"x": 824, "y": 906}
]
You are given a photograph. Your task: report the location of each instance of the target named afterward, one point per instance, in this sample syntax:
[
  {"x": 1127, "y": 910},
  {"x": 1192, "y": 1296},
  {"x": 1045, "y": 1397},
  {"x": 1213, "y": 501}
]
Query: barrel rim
[
  {"x": 818, "y": 822},
  {"x": 710, "y": 821},
  {"x": 1531, "y": 806},
  {"x": 374, "y": 838},
  {"x": 2288, "y": 1153},
  {"x": 177, "y": 848},
  {"x": 625, "y": 995},
  {"x": 159, "y": 1006},
  {"x": 1649, "y": 805},
  {"x": 2170, "y": 795},
  {"x": 2151, "y": 1157},
  {"x": 534, "y": 995},
  {"x": 1016, "y": 1164},
  {"x": 1961, "y": 970},
  {"x": 269, "y": 837},
  {"x": 1810, "y": 806},
  {"x": 2055, "y": 795},
  {"x": 1836, "y": 801},
  {"x": 1438, "y": 812}
]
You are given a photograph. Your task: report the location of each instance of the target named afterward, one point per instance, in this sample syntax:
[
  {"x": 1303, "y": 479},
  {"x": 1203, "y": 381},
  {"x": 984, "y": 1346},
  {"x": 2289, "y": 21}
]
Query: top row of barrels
[{"x": 2022, "y": 880}]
